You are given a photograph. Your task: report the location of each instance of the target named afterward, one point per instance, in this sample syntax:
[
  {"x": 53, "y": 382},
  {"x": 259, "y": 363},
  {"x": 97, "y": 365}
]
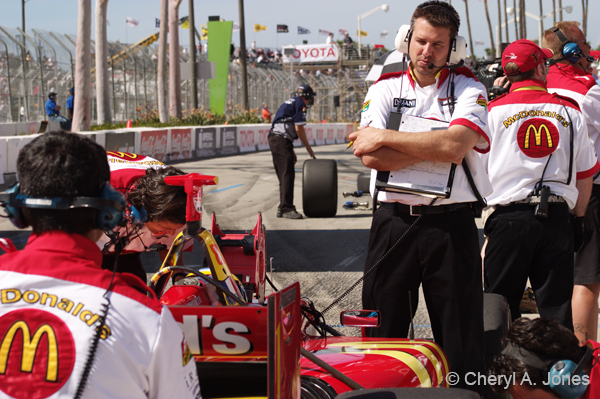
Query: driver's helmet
[{"x": 305, "y": 90}]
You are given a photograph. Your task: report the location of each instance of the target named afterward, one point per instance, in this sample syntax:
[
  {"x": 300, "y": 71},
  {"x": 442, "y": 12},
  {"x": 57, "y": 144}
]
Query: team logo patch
[
  {"x": 37, "y": 353},
  {"x": 186, "y": 352},
  {"x": 365, "y": 106},
  {"x": 482, "y": 101},
  {"x": 537, "y": 138},
  {"x": 404, "y": 103}
]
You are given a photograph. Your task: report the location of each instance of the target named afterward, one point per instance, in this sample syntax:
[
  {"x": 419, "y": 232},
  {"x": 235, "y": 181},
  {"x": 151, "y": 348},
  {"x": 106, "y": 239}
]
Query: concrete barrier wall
[{"x": 185, "y": 143}]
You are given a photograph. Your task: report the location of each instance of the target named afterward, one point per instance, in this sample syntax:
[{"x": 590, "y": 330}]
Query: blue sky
[{"x": 331, "y": 15}]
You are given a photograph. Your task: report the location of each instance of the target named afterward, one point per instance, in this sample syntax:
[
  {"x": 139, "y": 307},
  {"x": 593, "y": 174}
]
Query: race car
[{"x": 247, "y": 344}]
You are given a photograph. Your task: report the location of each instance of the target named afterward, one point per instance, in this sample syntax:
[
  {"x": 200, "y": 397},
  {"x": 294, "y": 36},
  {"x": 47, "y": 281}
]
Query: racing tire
[
  {"x": 315, "y": 388},
  {"x": 362, "y": 182},
  {"x": 410, "y": 393},
  {"x": 319, "y": 188},
  {"x": 496, "y": 322}
]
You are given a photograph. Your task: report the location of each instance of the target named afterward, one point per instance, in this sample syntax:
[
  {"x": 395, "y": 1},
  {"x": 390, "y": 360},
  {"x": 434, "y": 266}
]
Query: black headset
[
  {"x": 111, "y": 204},
  {"x": 570, "y": 51},
  {"x": 560, "y": 372}
]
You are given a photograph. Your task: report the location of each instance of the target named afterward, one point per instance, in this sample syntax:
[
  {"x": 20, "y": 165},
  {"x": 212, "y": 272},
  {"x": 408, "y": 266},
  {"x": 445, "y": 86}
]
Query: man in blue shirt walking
[
  {"x": 287, "y": 126},
  {"x": 53, "y": 112},
  {"x": 70, "y": 103}
]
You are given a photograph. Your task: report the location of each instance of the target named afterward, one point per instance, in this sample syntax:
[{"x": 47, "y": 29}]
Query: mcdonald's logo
[
  {"x": 37, "y": 353},
  {"x": 125, "y": 155},
  {"x": 537, "y": 137}
]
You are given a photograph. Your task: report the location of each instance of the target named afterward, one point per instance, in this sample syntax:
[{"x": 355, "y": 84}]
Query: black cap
[
  {"x": 52, "y": 94},
  {"x": 304, "y": 88}
]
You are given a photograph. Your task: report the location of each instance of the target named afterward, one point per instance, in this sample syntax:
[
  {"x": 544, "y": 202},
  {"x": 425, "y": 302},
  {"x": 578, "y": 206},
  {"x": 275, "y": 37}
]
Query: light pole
[
  {"x": 383, "y": 7},
  {"x": 540, "y": 19}
]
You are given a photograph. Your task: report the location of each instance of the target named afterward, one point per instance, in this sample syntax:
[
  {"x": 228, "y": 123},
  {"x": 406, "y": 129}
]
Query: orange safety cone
[{"x": 128, "y": 123}]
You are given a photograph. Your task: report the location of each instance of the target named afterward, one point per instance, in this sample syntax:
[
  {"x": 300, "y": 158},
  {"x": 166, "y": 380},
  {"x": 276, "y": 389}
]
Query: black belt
[{"x": 416, "y": 210}]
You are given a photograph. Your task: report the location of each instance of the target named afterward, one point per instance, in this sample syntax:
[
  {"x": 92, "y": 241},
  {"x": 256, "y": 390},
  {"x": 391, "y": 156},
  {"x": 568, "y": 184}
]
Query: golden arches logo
[
  {"x": 537, "y": 132},
  {"x": 123, "y": 155},
  {"x": 30, "y": 347}
]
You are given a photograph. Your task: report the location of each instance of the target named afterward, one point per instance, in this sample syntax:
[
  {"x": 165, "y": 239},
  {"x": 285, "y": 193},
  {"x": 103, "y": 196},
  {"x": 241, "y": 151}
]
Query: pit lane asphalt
[{"x": 326, "y": 255}]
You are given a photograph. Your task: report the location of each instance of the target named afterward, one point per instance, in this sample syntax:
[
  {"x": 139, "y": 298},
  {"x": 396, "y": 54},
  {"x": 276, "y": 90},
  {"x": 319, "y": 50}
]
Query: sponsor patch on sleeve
[
  {"x": 482, "y": 101},
  {"x": 365, "y": 106}
]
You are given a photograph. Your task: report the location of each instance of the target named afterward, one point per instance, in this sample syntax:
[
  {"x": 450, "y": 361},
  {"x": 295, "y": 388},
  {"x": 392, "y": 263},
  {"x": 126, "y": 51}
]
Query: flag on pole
[
  {"x": 131, "y": 22},
  {"x": 258, "y": 28},
  {"x": 203, "y": 32},
  {"x": 157, "y": 22},
  {"x": 282, "y": 29},
  {"x": 342, "y": 31},
  {"x": 383, "y": 34},
  {"x": 236, "y": 28},
  {"x": 324, "y": 32},
  {"x": 478, "y": 43},
  {"x": 303, "y": 31},
  {"x": 361, "y": 33},
  {"x": 185, "y": 24}
]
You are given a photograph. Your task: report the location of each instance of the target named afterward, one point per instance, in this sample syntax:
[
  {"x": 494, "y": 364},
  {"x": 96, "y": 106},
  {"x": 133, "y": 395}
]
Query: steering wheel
[{"x": 156, "y": 282}]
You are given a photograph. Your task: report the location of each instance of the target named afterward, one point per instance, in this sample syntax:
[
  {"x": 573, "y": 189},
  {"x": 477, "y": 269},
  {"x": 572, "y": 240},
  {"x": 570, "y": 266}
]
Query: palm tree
[
  {"x": 102, "y": 93},
  {"x": 469, "y": 29},
  {"x": 161, "y": 81},
  {"x": 487, "y": 16},
  {"x": 554, "y": 10},
  {"x": 560, "y": 8},
  {"x": 585, "y": 7},
  {"x": 506, "y": 22},
  {"x": 515, "y": 11},
  {"x": 83, "y": 74},
  {"x": 174, "y": 72}
]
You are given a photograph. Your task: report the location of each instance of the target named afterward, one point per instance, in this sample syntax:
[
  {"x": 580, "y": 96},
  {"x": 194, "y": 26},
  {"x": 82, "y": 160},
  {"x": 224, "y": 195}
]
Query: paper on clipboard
[{"x": 426, "y": 177}]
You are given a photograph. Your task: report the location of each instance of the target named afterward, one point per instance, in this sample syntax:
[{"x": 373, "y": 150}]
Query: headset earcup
[
  {"x": 139, "y": 215},
  {"x": 403, "y": 38},
  {"x": 458, "y": 50},
  {"x": 571, "y": 52},
  {"x": 560, "y": 378},
  {"x": 109, "y": 218},
  {"x": 14, "y": 213}
]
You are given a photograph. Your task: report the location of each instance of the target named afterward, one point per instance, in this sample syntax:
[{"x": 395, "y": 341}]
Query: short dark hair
[
  {"x": 60, "y": 164},
  {"x": 543, "y": 337},
  {"x": 438, "y": 14},
  {"x": 513, "y": 67},
  {"x": 161, "y": 201}
]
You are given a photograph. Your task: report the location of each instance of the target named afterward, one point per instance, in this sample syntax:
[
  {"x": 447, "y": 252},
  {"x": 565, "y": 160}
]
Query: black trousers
[
  {"x": 587, "y": 260},
  {"x": 282, "y": 150},
  {"x": 127, "y": 263},
  {"x": 442, "y": 253},
  {"x": 521, "y": 246}
]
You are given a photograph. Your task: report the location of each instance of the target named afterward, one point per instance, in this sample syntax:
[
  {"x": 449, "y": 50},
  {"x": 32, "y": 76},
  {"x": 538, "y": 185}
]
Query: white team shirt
[
  {"x": 530, "y": 129},
  {"x": 400, "y": 90}
]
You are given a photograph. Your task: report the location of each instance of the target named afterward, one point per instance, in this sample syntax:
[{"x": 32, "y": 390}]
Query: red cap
[{"x": 526, "y": 54}]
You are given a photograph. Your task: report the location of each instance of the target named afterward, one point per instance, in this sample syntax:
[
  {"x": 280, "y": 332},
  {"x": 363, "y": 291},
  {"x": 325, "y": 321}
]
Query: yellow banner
[
  {"x": 362, "y": 33},
  {"x": 258, "y": 28}
]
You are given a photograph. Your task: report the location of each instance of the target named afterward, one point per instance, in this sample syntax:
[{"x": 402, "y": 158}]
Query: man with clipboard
[{"x": 441, "y": 251}]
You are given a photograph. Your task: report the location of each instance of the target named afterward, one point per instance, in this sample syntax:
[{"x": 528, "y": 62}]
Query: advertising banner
[
  {"x": 349, "y": 130},
  {"x": 263, "y": 141},
  {"x": 229, "y": 140},
  {"x": 310, "y": 129},
  {"x": 122, "y": 142},
  {"x": 154, "y": 144},
  {"x": 330, "y": 135},
  {"x": 247, "y": 138},
  {"x": 181, "y": 143},
  {"x": 340, "y": 136},
  {"x": 206, "y": 142},
  {"x": 313, "y": 53},
  {"x": 320, "y": 135}
]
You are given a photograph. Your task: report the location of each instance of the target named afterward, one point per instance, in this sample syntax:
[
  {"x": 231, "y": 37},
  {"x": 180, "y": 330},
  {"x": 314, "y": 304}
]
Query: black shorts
[{"x": 587, "y": 259}]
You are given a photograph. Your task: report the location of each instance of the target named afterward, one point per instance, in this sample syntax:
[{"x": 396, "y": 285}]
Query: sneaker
[
  {"x": 528, "y": 303},
  {"x": 293, "y": 214},
  {"x": 279, "y": 212}
]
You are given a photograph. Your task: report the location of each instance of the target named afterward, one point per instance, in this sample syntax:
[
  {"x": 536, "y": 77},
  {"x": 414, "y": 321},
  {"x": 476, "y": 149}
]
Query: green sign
[{"x": 219, "y": 46}]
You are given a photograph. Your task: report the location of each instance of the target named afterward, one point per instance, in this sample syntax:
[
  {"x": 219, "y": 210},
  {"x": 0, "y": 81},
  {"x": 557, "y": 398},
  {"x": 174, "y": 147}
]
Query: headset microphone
[{"x": 460, "y": 63}]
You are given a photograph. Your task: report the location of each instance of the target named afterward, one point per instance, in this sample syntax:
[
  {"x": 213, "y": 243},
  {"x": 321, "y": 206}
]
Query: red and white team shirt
[
  {"x": 51, "y": 296},
  {"x": 582, "y": 87},
  {"x": 399, "y": 91},
  {"x": 530, "y": 129},
  {"x": 124, "y": 169}
]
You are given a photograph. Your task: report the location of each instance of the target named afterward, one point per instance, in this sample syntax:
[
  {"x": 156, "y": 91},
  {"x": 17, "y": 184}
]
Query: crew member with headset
[
  {"x": 67, "y": 327},
  {"x": 71, "y": 103},
  {"x": 160, "y": 206},
  {"x": 287, "y": 126},
  {"x": 541, "y": 166},
  {"x": 53, "y": 112},
  {"x": 544, "y": 360},
  {"x": 441, "y": 249},
  {"x": 568, "y": 76}
]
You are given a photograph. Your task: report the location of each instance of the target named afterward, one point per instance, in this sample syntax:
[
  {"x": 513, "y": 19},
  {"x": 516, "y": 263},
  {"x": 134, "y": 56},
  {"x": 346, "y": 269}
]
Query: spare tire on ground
[
  {"x": 319, "y": 188},
  {"x": 496, "y": 322},
  {"x": 362, "y": 182}
]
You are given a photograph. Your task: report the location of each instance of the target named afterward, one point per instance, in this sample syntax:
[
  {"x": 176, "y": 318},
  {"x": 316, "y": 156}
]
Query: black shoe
[
  {"x": 291, "y": 215},
  {"x": 279, "y": 212}
]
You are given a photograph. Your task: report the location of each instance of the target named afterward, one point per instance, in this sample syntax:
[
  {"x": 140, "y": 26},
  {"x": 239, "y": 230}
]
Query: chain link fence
[{"x": 39, "y": 62}]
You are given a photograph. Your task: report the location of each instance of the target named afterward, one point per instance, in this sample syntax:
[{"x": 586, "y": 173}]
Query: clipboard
[{"x": 426, "y": 178}]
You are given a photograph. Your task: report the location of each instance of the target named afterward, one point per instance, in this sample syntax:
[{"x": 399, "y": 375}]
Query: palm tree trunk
[
  {"x": 516, "y": 22},
  {"x": 487, "y": 16},
  {"x": 499, "y": 26},
  {"x": 554, "y": 11},
  {"x": 161, "y": 81},
  {"x": 524, "y": 19},
  {"x": 506, "y": 22},
  {"x": 83, "y": 76},
  {"x": 584, "y": 7},
  {"x": 102, "y": 93},
  {"x": 560, "y": 10},
  {"x": 174, "y": 72},
  {"x": 469, "y": 29}
]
